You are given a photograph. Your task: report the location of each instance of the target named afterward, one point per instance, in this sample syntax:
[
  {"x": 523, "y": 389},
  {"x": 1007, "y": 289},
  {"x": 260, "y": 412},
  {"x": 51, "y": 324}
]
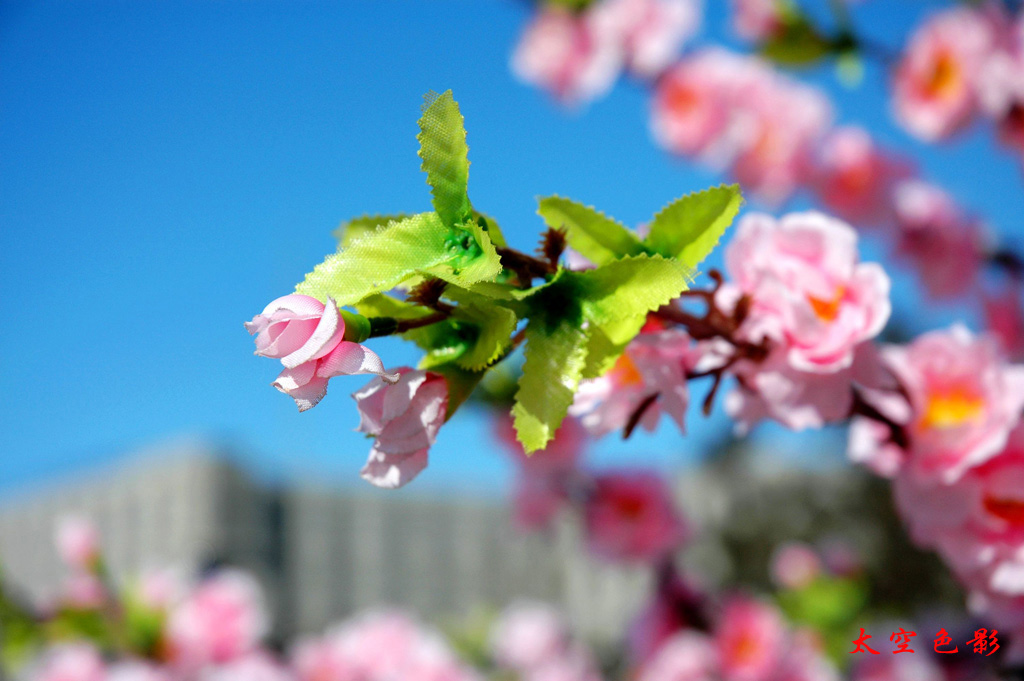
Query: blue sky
[{"x": 167, "y": 169}]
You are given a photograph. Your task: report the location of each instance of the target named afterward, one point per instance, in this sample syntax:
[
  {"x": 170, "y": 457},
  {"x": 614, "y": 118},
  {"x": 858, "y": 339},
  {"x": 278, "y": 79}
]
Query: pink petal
[
  {"x": 302, "y": 385},
  {"x": 349, "y": 358},
  {"x": 299, "y": 305},
  {"x": 391, "y": 471},
  {"x": 327, "y": 335}
]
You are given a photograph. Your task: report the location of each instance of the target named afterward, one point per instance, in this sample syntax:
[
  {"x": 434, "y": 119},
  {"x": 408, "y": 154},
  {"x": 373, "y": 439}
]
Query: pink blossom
[
  {"x": 528, "y": 635},
  {"x": 78, "y": 542},
  {"x": 808, "y": 291},
  {"x": 575, "y": 664},
  {"x": 70, "y": 662},
  {"x": 309, "y": 339},
  {"x": 653, "y": 365},
  {"x": 691, "y": 108},
  {"x": 567, "y": 55},
  {"x": 795, "y": 565},
  {"x": 904, "y": 667},
  {"x": 814, "y": 304},
  {"x": 750, "y": 638},
  {"x": 651, "y": 32},
  {"x": 631, "y": 516},
  {"x": 934, "y": 235},
  {"x": 934, "y": 86},
  {"x": 854, "y": 178},
  {"x": 137, "y": 670},
  {"x": 256, "y": 666},
  {"x": 674, "y": 606},
  {"x": 687, "y": 656},
  {"x": 757, "y": 20},
  {"x": 544, "y": 477},
  {"x": 805, "y": 660},
  {"x": 964, "y": 398},
  {"x": 1004, "y": 316},
  {"x": 783, "y": 123},
  {"x": 1001, "y": 89},
  {"x": 222, "y": 620},
  {"x": 84, "y": 591},
  {"x": 404, "y": 418}
]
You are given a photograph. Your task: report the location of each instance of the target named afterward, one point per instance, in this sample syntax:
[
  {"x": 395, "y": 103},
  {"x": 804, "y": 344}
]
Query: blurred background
[{"x": 168, "y": 168}]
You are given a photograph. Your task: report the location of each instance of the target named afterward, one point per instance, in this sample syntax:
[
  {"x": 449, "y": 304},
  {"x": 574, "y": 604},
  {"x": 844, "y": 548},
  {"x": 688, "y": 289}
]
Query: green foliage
[
  {"x": 555, "y": 358},
  {"x": 593, "y": 234},
  {"x": 445, "y": 157},
  {"x": 689, "y": 228},
  {"x": 356, "y": 228},
  {"x": 831, "y": 606},
  {"x": 420, "y": 244},
  {"x": 580, "y": 322}
]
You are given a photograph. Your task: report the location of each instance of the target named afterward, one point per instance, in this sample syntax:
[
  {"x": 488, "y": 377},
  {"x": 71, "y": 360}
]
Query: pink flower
[
  {"x": 84, "y": 591},
  {"x": 631, "y": 516},
  {"x": 814, "y": 305},
  {"x": 528, "y": 635},
  {"x": 545, "y": 477},
  {"x": 136, "y": 670},
  {"x": 854, "y": 178},
  {"x": 795, "y": 565},
  {"x": 934, "y": 86},
  {"x": 750, "y": 639},
  {"x": 690, "y": 110},
  {"x": 757, "y": 20},
  {"x": 934, "y": 235},
  {"x": 808, "y": 291},
  {"x": 1005, "y": 317},
  {"x": 575, "y": 664},
  {"x": 256, "y": 666},
  {"x": 651, "y": 32},
  {"x": 674, "y": 606},
  {"x": 804, "y": 660},
  {"x": 687, "y": 656},
  {"x": 1001, "y": 90},
  {"x": 70, "y": 662},
  {"x": 964, "y": 399},
  {"x": 222, "y": 620},
  {"x": 78, "y": 542},
  {"x": 783, "y": 122},
  {"x": 653, "y": 366},
  {"x": 309, "y": 339},
  {"x": 404, "y": 417},
  {"x": 565, "y": 54},
  {"x": 898, "y": 668}
]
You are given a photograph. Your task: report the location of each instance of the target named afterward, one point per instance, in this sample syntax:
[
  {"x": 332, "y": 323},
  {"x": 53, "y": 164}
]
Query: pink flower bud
[
  {"x": 631, "y": 516},
  {"x": 404, "y": 417},
  {"x": 309, "y": 339}
]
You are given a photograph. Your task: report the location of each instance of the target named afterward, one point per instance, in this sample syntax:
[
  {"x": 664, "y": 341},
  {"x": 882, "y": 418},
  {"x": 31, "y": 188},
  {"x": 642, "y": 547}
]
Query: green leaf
[
  {"x": 491, "y": 226},
  {"x": 494, "y": 326},
  {"x": 551, "y": 374},
  {"x": 445, "y": 157},
  {"x": 356, "y": 228},
  {"x": 461, "y": 383},
  {"x": 593, "y": 234},
  {"x": 689, "y": 228},
  {"x": 383, "y": 305},
  {"x": 797, "y": 44},
  {"x": 420, "y": 244}
]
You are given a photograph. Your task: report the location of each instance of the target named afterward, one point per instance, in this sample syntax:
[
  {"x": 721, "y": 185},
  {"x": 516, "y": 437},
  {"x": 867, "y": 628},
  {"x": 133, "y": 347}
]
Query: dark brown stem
[
  {"x": 404, "y": 325},
  {"x": 526, "y": 267},
  {"x": 638, "y": 413},
  {"x": 897, "y": 432}
]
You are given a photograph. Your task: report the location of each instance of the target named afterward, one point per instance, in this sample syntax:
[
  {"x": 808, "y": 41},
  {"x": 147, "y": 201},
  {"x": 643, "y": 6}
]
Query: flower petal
[{"x": 391, "y": 471}]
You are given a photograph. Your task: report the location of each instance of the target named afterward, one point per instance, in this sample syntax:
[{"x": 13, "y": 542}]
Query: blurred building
[{"x": 321, "y": 553}]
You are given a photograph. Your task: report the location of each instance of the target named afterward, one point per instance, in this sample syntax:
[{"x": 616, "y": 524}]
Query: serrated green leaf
[
  {"x": 689, "y": 228},
  {"x": 445, "y": 157},
  {"x": 630, "y": 287},
  {"x": 495, "y": 325},
  {"x": 383, "y": 305},
  {"x": 419, "y": 244},
  {"x": 492, "y": 227},
  {"x": 473, "y": 257},
  {"x": 555, "y": 358},
  {"x": 593, "y": 234},
  {"x": 355, "y": 229}
]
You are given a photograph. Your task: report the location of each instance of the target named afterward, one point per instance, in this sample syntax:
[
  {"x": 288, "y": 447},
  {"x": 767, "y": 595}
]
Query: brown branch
[{"x": 638, "y": 413}]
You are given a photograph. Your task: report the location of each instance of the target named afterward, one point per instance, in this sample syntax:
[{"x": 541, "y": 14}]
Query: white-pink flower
[
  {"x": 222, "y": 620},
  {"x": 309, "y": 339},
  {"x": 528, "y": 635},
  {"x": 934, "y": 89},
  {"x": 653, "y": 366},
  {"x": 404, "y": 418},
  {"x": 651, "y": 32},
  {"x": 750, "y": 638},
  {"x": 964, "y": 398},
  {"x": 944, "y": 245},
  {"x": 687, "y": 656},
  {"x": 795, "y": 565},
  {"x": 757, "y": 20},
  {"x": 565, "y": 54},
  {"x": 78, "y": 542},
  {"x": 854, "y": 178},
  {"x": 70, "y": 662},
  {"x": 256, "y": 666},
  {"x": 631, "y": 516}
]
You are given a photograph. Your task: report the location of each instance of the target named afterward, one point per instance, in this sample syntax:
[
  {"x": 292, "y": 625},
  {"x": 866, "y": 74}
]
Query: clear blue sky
[{"x": 167, "y": 169}]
